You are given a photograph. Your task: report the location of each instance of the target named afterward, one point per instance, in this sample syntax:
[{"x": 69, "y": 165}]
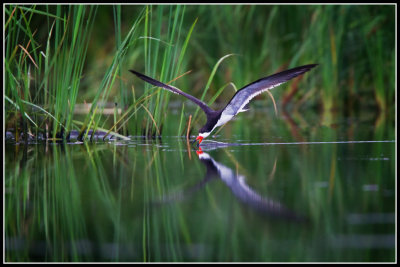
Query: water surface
[{"x": 320, "y": 194}]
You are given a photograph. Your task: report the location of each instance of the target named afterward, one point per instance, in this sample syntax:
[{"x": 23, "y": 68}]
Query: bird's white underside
[
  {"x": 248, "y": 99},
  {"x": 227, "y": 116}
]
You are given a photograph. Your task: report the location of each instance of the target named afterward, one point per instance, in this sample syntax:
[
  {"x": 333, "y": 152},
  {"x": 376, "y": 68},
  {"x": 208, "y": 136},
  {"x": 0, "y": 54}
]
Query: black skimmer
[{"x": 238, "y": 103}]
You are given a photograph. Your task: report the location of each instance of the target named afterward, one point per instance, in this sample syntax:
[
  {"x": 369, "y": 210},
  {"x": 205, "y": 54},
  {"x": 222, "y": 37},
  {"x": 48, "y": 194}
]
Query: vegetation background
[
  {"x": 66, "y": 66},
  {"x": 329, "y": 154}
]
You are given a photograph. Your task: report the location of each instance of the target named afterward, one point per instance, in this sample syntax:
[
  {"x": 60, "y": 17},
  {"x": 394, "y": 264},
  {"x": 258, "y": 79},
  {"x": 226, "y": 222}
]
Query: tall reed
[{"x": 49, "y": 61}]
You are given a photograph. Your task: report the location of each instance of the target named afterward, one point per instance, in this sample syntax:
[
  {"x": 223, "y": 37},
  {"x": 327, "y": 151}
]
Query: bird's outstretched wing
[
  {"x": 243, "y": 96},
  {"x": 174, "y": 90}
]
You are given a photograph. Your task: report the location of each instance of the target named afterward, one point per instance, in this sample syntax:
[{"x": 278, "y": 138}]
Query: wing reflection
[{"x": 237, "y": 184}]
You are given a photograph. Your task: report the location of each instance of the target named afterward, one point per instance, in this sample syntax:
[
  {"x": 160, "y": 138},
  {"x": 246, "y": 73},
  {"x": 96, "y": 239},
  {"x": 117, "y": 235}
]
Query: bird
[{"x": 238, "y": 103}]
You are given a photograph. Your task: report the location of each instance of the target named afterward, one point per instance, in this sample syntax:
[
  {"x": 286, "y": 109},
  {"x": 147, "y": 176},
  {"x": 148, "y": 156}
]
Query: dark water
[{"x": 316, "y": 193}]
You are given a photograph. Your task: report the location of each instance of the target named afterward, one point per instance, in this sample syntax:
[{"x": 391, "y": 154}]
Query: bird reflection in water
[{"x": 237, "y": 184}]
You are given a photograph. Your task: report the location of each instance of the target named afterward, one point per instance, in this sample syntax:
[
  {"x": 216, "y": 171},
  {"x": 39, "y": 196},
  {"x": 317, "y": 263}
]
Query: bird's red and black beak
[{"x": 199, "y": 139}]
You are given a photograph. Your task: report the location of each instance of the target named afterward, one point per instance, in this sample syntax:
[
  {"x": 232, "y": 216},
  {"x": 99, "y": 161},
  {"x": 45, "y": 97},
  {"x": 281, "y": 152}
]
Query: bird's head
[{"x": 201, "y": 136}]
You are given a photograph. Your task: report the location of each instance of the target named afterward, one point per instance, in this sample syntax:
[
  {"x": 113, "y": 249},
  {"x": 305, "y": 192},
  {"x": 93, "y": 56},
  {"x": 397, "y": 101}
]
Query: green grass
[{"x": 58, "y": 56}]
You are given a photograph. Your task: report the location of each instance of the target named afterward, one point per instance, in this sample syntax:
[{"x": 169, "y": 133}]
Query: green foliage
[{"x": 60, "y": 56}]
